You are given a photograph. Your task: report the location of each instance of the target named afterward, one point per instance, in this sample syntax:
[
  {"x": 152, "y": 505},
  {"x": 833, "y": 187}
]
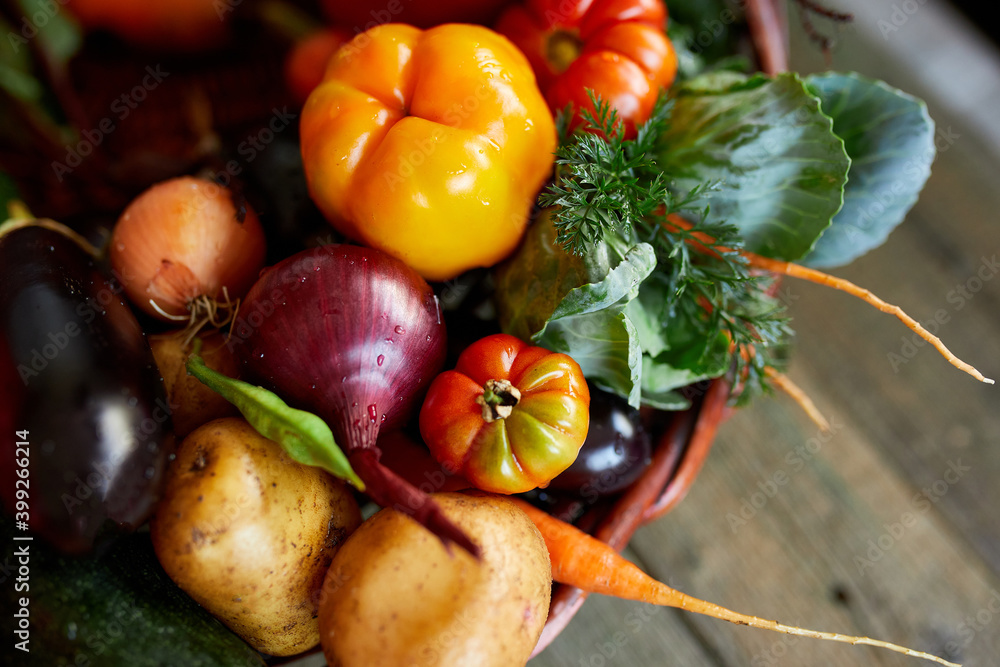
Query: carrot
[
  {"x": 591, "y": 565},
  {"x": 820, "y": 278},
  {"x": 784, "y": 383},
  {"x": 705, "y": 243}
]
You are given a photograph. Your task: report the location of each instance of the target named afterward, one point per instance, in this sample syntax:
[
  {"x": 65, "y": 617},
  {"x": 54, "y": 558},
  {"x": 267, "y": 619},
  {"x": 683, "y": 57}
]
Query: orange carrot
[
  {"x": 591, "y": 565},
  {"x": 785, "y": 384},
  {"x": 705, "y": 243},
  {"x": 820, "y": 278}
]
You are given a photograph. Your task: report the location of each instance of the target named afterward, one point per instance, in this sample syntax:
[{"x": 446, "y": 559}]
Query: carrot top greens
[{"x": 610, "y": 189}]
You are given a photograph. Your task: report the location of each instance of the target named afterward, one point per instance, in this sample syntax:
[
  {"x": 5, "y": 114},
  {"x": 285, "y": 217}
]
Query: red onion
[{"x": 355, "y": 336}]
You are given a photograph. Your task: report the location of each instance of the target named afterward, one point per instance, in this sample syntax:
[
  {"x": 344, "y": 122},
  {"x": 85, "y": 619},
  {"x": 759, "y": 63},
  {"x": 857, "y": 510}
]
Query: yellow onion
[{"x": 183, "y": 247}]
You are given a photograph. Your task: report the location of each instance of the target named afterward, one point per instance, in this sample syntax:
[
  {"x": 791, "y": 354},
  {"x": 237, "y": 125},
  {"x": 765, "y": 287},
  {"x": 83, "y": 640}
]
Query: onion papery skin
[
  {"x": 355, "y": 336},
  {"x": 338, "y": 327},
  {"x": 184, "y": 238}
]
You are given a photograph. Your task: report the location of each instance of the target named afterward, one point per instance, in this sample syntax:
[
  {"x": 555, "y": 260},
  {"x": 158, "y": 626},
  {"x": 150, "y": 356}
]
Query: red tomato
[
  {"x": 510, "y": 417},
  {"x": 617, "y": 48}
]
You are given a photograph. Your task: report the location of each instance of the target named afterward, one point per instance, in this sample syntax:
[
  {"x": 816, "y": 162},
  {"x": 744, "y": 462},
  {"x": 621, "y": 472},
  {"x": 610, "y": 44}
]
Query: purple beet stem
[{"x": 390, "y": 490}]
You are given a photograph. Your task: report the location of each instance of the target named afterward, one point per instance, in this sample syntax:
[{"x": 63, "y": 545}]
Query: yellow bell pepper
[{"x": 430, "y": 145}]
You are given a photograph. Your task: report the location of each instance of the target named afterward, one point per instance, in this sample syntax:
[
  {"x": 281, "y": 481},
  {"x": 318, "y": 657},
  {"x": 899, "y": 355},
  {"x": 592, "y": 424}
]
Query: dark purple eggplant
[
  {"x": 77, "y": 374},
  {"x": 615, "y": 453}
]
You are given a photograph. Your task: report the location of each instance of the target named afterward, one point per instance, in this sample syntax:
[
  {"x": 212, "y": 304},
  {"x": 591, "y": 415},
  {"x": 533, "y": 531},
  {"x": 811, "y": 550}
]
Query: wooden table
[{"x": 889, "y": 526}]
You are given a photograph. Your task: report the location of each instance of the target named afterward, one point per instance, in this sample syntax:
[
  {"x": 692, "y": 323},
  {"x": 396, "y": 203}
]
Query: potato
[
  {"x": 191, "y": 402},
  {"x": 394, "y": 596},
  {"x": 249, "y": 533}
]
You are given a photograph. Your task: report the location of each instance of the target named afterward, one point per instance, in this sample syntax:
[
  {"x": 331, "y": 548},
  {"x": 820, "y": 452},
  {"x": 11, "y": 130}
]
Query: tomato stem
[{"x": 498, "y": 399}]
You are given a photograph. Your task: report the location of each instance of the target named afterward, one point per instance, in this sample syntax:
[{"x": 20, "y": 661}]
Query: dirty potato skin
[
  {"x": 249, "y": 533},
  {"x": 191, "y": 402},
  {"x": 395, "y": 597}
]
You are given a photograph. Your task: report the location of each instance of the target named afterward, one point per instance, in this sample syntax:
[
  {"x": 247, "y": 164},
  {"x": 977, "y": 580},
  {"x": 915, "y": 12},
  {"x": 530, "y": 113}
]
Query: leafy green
[
  {"x": 650, "y": 302},
  {"x": 8, "y": 194},
  {"x": 608, "y": 278},
  {"x": 663, "y": 376},
  {"x": 689, "y": 62},
  {"x": 686, "y": 343},
  {"x": 57, "y": 33},
  {"x": 677, "y": 350},
  {"x": 577, "y": 306},
  {"x": 45, "y": 24},
  {"x": 608, "y": 184},
  {"x": 890, "y": 138},
  {"x": 590, "y": 324},
  {"x": 304, "y": 436},
  {"x": 712, "y": 26},
  {"x": 535, "y": 279},
  {"x": 16, "y": 77},
  {"x": 778, "y": 167}
]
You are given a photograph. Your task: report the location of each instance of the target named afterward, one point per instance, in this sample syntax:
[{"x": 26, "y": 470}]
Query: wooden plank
[
  {"x": 934, "y": 266},
  {"x": 915, "y": 406},
  {"x": 823, "y": 545}
]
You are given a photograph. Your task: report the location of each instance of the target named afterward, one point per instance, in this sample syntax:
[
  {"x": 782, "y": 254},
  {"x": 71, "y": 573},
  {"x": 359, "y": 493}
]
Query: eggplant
[{"x": 82, "y": 403}]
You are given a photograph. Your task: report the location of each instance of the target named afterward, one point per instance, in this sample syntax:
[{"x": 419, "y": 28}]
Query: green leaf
[
  {"x": 689, "y": 63},
  {"x": 712, "y": 25},
  {"x": 44, "y": 28},
  {"x": 58, "y": 33},
  {"x": 304, "y": 436},
  {"x": 16, "y": 77},
  {"x": 530, "y": 285},
  {"x": 890, "y": 138},
  {"x": 670, "y": 400},
  {"x": 577, "y": 305},
  {"x": 662, "y": 376},
  {"x": 8, "y": 194},
  {"x": 645, "y": 312},
  {"x": 620, "y": 286},
  {"x": 590, "y": 325},
  {"x": 605, "y": 345},
  {"x": 779, "y": 166},
  {"x": 681, "y": 355}
]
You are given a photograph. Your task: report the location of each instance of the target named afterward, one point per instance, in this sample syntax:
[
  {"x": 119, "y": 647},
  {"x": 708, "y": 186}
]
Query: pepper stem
[{"x": 498, "y": 399}]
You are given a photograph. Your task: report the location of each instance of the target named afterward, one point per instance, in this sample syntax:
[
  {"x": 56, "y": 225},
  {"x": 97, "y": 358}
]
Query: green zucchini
[{"x": 114, "y": 607}]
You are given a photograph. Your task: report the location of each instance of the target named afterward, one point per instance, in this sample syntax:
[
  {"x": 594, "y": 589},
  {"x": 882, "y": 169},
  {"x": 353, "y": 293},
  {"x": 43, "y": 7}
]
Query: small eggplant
[{"x": 82, "y": 400}]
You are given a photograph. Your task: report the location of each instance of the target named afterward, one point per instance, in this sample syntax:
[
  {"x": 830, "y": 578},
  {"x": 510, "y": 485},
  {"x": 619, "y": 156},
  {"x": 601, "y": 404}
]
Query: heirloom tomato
[
  {"x": 510, "y": 417},
  {"x": 616, "y": 48}
]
